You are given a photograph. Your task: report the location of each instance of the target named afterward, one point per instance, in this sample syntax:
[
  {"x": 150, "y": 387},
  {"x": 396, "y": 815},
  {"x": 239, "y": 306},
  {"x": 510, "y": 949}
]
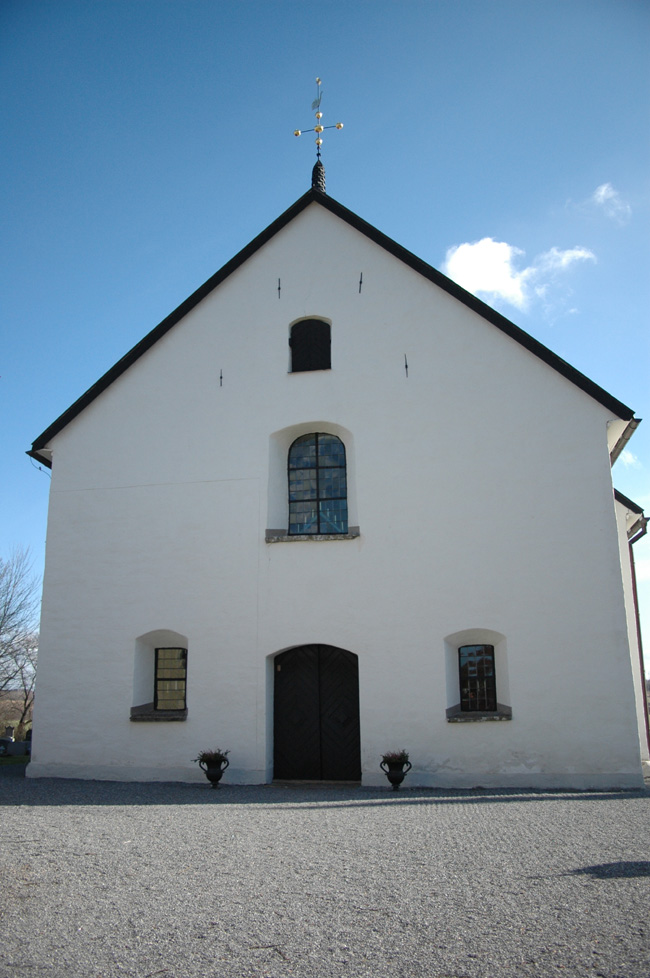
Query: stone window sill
[
  {"x": 456, "y": 715},
  {"x": 147, "y": 714},
  {"x": 281, "y": 536}
]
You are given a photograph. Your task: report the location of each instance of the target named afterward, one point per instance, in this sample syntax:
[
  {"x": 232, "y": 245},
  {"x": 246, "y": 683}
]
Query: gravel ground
[{"x": 104, "y": 879}]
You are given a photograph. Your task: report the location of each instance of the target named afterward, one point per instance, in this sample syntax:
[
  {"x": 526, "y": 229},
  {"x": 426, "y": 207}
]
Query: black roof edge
[
  {"x": 625, "y": 501},
  {"x": 388, "y": 244},
  {"x": 163, "y": 327},
  {"x": 639, "y": 527},
  {"x": 487, "y": 312}
]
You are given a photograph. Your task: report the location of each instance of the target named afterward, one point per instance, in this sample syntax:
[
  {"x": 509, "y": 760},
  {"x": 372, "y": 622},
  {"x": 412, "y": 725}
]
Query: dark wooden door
[{"x": 316, "y": 715}]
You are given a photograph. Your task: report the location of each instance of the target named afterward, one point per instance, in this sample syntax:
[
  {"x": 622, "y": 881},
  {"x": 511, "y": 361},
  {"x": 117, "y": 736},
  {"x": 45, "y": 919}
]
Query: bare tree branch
[
  {"x": 19, "y": 593},
  {"x": 25, "y": 657}
]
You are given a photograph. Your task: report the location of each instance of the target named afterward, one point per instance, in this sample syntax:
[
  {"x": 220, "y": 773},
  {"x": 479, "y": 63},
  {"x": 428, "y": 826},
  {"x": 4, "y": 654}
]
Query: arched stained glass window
[{"x": 317, "y": 485}]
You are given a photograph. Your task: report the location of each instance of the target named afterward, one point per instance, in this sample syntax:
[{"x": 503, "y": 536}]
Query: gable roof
[{"x": 402, "y": 254}]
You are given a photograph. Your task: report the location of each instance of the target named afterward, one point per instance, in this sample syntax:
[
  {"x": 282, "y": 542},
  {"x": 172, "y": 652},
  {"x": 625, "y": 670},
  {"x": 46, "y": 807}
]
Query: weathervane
[{"x": 319, "y": 127}]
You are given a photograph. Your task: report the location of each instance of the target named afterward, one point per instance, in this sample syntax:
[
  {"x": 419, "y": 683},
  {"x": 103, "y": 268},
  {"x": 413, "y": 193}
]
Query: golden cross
[{"x": 319, "y": 128}]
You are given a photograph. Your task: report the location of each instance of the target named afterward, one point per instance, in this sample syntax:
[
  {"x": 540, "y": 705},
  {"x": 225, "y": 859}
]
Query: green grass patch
[{"x": 19, "y": 759}]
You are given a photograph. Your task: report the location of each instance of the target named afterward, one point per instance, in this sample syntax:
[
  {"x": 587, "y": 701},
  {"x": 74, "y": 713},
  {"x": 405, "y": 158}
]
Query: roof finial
[{"x": 318, "y": 173}]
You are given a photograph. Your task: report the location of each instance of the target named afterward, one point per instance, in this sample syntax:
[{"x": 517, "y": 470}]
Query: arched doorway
[{"x": 316, "y": 715}]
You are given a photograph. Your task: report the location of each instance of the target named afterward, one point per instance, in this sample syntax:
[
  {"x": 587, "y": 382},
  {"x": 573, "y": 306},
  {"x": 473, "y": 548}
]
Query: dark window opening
[
  {"x": 171, "y": 679},
  {"x": 317, "y": 485},
  {"x": 477, "y": 678},
  {"x": 310, "y": 346}
]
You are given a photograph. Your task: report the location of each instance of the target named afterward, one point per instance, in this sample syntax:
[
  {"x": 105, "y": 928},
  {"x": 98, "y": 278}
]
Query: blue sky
[{"x": 146, "y": 142}]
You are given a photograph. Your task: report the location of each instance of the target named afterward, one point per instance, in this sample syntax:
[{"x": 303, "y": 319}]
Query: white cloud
[
  {"x": 490, "y": 267},
  {"x": 628, "y": 459},
  {"x": 612, "y": 203},
  {"x": 555, "y": 259}
]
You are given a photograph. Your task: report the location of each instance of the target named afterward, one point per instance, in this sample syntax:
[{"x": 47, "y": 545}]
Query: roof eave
[
  {"x": 638, "y": 523},
  {"x": 624, "y": 438},
  {"x": 388, "y": 244},
  {"x": 483, "y": 309},
  {"x": 174, "y": 317},
  {"x": 40, "y": 456}
]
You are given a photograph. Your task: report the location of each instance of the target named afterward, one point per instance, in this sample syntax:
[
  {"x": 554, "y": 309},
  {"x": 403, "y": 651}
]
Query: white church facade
[{"x": 334, "y": 505}]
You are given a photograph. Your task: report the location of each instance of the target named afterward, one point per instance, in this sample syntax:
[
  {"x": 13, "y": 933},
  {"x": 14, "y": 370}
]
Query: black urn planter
[
  {"x": 213, "y": 763},
  {"x": 214, "y": 771},
  {"x": 396, "y": 771}
]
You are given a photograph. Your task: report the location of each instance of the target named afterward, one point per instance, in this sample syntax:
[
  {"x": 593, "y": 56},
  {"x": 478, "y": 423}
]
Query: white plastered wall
[
  {"x": 481, "y": 486},
  {"x": 623, "y": 516}
]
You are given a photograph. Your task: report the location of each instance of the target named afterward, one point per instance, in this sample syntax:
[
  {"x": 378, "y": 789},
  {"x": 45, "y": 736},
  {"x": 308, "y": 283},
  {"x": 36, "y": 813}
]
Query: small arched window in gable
[
  {"x": 310, "y": 346},
  {"x": 317, "y": 485}
]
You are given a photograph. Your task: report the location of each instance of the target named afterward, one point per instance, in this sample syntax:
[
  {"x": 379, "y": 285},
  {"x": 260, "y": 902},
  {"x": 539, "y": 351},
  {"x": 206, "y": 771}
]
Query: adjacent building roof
[
  {"x": 317, "y": 196},
  {"x": 637, "y": 522}
]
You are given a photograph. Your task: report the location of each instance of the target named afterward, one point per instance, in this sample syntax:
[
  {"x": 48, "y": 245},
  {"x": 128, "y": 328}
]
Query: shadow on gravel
[
  {"x": 608, "y": 871},
  {"x": 15, "y": 789}
]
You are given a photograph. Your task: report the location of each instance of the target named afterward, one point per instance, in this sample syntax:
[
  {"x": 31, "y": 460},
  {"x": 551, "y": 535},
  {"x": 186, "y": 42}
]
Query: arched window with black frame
[
  {"x": 310, "y": 346},
  {"x": 317, "y": 485}
]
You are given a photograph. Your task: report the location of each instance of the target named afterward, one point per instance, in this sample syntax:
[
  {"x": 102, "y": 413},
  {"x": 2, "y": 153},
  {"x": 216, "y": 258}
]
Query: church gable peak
[{"x": 316, "y": 195}]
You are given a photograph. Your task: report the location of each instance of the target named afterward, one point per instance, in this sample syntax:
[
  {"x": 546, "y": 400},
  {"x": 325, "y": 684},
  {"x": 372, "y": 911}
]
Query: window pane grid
[
  {"x": 303, "y": 460},
  {"x": 477, "y": 678},
  {"x": 171, "y": 679},
  {"x": 317, "y": 485}
]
